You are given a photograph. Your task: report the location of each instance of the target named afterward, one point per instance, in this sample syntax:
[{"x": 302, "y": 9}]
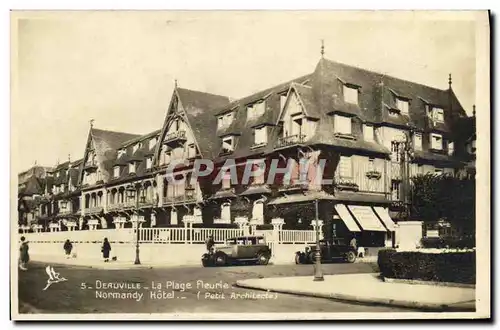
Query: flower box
[
  {"x": 346, "y": 185},
  {"x": 373, "y": 175}
]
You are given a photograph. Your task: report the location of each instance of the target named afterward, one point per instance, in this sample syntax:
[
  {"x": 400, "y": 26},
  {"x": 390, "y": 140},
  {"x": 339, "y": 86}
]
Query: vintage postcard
[{"x": 250, "y": 165}]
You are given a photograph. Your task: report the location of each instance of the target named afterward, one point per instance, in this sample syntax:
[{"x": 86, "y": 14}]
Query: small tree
[{"x": 447, "y": 197}]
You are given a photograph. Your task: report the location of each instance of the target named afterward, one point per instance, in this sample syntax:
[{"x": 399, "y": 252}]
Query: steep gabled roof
[
  {"x": 32, "y": 186},
  {"x": 245, "y": 128}
]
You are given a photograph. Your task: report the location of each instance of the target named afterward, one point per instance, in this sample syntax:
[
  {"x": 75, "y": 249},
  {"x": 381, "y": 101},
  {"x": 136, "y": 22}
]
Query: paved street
[{"x": 175, "y": 296}]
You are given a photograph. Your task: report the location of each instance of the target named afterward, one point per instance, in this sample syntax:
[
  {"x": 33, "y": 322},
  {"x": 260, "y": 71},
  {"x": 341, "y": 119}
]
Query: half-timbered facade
[{"x": 345, "y": 123}]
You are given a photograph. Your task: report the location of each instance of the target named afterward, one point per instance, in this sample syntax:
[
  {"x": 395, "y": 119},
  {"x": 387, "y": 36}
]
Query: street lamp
[
  {"x": 131, "y": 194},
  {"x": 318, "y": 274}
]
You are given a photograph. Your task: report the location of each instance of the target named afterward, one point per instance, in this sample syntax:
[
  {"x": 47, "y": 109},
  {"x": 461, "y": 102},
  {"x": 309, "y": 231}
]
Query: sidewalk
[
  {"x": 370, "y": 289},
  {"x": 100, "y": 264}
]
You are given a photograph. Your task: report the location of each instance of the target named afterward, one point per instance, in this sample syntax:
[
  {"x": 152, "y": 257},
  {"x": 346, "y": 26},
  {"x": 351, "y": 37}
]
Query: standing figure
[
  {"x": 210, "y": 243},
  {"x": 67, "y": 248},
  {"x": 24, "y": 256},
  {"x": 106, "y": 247}
]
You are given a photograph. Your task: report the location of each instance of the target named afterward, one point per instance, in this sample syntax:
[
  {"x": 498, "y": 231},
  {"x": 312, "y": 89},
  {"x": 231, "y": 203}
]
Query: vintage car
[
  {"x": 239, "y": 250},
  {"x": 335, "y": 250}
]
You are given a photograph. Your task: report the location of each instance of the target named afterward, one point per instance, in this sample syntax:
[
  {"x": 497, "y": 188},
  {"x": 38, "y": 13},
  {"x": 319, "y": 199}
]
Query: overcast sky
[{"x": 119, "y": 68}]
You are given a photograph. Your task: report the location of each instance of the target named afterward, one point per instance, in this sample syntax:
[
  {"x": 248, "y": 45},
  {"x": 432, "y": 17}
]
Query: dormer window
[
  {"x": 402, "y": 105},
  {"x": 121, "y": 152},
  {"x": 149, "y": 162},
  {"x": 116, "y": 171},
  {"x": 342, "y": 124},
  {"x": 351, "y": 94},
  {"x": 225, "y": 120},
  {"x": 437, "y": 114},
  {"x": 260, "y": 135},
  {"x": 136, "y": 147},
  {"x": 191, "y": 151},
  {"x": 256, "y": 110},
  {"x": 282, "y": 100},
  {"x": 368, "y": 134},
  {"x": 417, "y": 141},
  {"x": 152, "y": 142},
  {"x": 131, "y": 167},
  {"x": 228, "y": 144},
  {"x": 436, "y": 141}
]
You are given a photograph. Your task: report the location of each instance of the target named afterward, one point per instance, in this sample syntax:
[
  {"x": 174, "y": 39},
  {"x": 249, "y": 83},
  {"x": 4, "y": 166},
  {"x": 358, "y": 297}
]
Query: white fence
[
  {"x": 297, "y": 236},
  {"x": 168, "y": 235}
]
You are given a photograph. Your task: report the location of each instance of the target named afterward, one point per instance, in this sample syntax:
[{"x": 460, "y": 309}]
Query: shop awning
[
  {"x": 367, "y": 218},
  {"x": 346, "y": 217},
  {"x": 383, "y": 214}
]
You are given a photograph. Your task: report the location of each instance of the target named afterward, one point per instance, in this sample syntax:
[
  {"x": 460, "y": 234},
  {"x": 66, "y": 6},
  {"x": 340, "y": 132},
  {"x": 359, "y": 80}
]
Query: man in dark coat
[
  {"x": 210, "y": 243},
  {"x": 106, "y": 247},
  {"x": 67, "y": 248},
  {"x": 24, "y": 256}
]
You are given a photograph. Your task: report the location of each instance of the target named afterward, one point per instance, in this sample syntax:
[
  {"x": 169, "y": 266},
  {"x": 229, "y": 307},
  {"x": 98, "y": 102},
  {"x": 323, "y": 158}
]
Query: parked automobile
[
  {"x": 239, "y": 250},
  {"x": 330, "y": 251}
]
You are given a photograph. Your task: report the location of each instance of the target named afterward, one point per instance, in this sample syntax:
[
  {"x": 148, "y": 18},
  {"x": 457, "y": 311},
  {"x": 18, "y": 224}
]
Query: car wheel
[
  {"x": 350, "y": 257},
  {"x": 298, "y": 259},
  {"x": 220, "y": 259},
  {"x": 263, "y": 259}
]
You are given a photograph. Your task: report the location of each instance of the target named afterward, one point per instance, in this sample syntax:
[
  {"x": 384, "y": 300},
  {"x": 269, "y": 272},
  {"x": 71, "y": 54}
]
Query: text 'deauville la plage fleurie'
[{"x": 157, "y": 290}]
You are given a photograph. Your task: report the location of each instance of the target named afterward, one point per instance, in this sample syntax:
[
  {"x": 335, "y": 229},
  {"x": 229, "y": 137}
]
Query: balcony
[
  {"x": 188, "y": 197},
  {"x": 115, "y": 207},
  {"x": 295, "y": 186},
  {"x": 147, "y": 203},
  {"x": 94, "y": 210},
  {"x": 91, "y": 166},
  {"x": 175, "y": 138},
  {"x": 346, "y": 185},
  {"x": 291, "y": 140}
]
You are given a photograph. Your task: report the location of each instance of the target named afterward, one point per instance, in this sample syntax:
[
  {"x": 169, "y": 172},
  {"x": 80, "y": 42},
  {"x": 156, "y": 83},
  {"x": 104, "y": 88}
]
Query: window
[
  {"x": 395, "y": 152},
  {"x": 149, "y": 162},
  {"x": 438, "y": 171},
  {"x": 438, "y": 114},
  {"x": 282, "y": 100},
  {"x": 345, "y": 167},
  {"x": 417, "y": 141},
  {"x": 226, "y": 180},
  {"x": 350, "y": 95},
  {"x": 131, "y": 168},
  {"x": 227, "y": 144},
  {"x": 436, "y": 141},
  {"x": 260, "y": 135},
  {"x": 121, "y": 152},
  {"x": 136, "y": 147},
  {"x": 402, "y": 105},
  {"x": 152, "y": 143},
  {"x": 256, "y": 110},
  {"x": 116, "y": 171},
  {"x": 371, "y": 164},
  {"x": 225, "y": 212},
  {"x": 368, "y": 133},
  {"x": 342, "y": 124},
  {"x": 191, "y": 151},
  {"x": 451, "y": 148},
  {"x": 395, "y": 191},
  {"x": 224, "y": 120}
]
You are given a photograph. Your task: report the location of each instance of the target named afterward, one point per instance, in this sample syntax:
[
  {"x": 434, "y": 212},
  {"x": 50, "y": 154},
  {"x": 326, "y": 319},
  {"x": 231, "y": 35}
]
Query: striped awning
[
  {"x": 346, "y": 217},
  {"x": 367, "y": 218},
  {"x": 383, "y": 214}
]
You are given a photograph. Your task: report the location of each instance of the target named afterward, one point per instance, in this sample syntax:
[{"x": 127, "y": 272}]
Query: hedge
[
  {"x": 448, "y": 242},
  {"x": 457, "y": 267}
]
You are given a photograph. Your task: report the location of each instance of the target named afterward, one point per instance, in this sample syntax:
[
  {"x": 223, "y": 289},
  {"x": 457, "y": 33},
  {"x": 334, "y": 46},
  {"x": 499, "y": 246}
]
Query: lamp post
[
  {"x": 131, "y": 194},
  {"x": 318, "y": 274}
]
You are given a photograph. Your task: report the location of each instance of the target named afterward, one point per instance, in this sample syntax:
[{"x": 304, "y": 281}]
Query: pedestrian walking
[
  {"x": 67, "y": 248},
  {"x": 210, "y": 243},
  {"x": 106, "y": 247},
  {"x": 353, "y": 242},
  {"x": 24, "y": 256}
]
